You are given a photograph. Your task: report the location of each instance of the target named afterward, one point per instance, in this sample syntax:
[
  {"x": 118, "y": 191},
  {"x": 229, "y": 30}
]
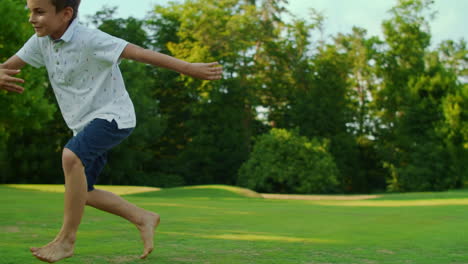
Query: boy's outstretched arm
[
  {"x": 11, "y": 67},
  {"x": 206, "y": 71}
]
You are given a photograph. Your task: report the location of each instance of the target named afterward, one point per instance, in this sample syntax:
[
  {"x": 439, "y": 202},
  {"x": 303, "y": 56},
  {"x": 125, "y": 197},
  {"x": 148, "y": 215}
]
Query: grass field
[{"x": 221, "y": 224}]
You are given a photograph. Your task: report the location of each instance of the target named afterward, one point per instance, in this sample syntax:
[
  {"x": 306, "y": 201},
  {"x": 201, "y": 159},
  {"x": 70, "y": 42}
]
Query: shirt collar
[{"x": 67, "y": 36}]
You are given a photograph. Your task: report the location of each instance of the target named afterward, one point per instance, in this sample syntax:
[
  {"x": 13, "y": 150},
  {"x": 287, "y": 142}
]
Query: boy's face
[{"x": 46, "y": 21}]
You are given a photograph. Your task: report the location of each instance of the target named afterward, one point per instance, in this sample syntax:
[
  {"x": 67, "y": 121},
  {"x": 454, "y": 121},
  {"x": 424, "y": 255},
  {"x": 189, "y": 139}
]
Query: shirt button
[{"x": 58, "y": 63}]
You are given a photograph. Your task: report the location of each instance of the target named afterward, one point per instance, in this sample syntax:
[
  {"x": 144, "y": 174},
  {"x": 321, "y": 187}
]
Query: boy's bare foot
[
  {"x": 149, "y": 223},
  {"x": 34, "y": 249},
  {"x": 54, "y": 251}
]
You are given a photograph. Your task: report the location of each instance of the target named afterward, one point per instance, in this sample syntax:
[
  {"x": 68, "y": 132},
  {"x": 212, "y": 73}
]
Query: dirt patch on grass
[
  {"x": 385, "y": 251},
  {"x": 11, "y": 229},
  {"x": 122, "y": 259},
  {"x": 124, "y": 190}
]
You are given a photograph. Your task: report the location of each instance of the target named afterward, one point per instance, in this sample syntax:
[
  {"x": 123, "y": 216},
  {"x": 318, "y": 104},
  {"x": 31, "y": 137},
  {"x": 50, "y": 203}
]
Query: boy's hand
[
  {"x": 205, "y": 71},
  {"x": 7, "y": 82}
]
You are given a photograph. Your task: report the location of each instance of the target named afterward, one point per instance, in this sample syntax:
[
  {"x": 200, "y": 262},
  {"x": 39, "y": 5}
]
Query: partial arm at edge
[{"x": 13, "y": 63}]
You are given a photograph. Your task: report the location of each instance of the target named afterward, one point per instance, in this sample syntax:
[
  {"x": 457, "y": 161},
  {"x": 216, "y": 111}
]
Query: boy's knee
[{"x": 70, "y": 160}]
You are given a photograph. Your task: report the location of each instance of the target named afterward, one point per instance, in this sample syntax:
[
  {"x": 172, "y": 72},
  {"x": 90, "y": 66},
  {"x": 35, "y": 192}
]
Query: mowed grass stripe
[{"x": 120, "y": 190}]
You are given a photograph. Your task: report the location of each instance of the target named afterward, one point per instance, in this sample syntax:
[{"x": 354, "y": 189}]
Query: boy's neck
[{"x": 61, "y": 32}]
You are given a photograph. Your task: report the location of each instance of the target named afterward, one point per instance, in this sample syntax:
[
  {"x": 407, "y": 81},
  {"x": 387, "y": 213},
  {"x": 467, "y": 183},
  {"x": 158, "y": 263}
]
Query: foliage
[
  {"x": 413, "y": 134},
  {"x": 393, "y": 110},
  {"x": 25, "y": 118},
  {"x": 213, "y": 127},
  {"x": 283, "y": 162}
]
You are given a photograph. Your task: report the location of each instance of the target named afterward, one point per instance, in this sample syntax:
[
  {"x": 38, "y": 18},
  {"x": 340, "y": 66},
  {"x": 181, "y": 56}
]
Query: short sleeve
[
  {"x": 31, "y": 52},
  {"x": 107, "y": 48}
]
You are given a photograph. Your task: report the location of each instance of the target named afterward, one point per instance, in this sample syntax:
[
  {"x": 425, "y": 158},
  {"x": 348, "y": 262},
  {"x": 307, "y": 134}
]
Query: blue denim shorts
[{"x": 92, "y": 144}]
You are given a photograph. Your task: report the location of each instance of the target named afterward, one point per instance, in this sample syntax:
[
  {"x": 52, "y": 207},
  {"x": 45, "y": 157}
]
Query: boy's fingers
[
  {"x": 213, "y": 63},
  {"x": 14, "y": 88},
  {"x": 13, "y": 79},
  {"x": 216, "y": 71},
  {"x": 11, "y": 72},
  {"x": 215, "y": 77}
]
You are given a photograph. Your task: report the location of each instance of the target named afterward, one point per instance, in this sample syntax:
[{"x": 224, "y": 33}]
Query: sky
[{"x": 451, "y": 21}]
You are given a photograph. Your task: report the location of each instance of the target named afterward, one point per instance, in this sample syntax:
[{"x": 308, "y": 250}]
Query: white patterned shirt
[{"x": 84, "y": 73}]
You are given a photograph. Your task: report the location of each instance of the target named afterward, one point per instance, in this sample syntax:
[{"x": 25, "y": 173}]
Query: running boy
[{"x": 82, "y": 65}]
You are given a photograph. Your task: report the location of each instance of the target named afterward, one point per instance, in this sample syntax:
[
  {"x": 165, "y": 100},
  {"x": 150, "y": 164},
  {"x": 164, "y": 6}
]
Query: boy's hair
[{"x": 61, "y": 4}]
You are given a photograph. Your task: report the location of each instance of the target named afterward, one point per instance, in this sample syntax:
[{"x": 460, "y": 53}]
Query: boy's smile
[{"x": 46, "y": 21}]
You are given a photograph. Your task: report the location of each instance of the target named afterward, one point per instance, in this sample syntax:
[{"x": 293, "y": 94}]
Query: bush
[
  {"x": 426, "y": 167},
  {"x": 284, "y": 162}
]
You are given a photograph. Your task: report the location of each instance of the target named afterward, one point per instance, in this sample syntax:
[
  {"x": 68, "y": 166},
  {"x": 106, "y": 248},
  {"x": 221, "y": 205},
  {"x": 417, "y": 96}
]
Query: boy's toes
[
  {"x": 33, "y": 249},
  {"x": 42, "y": 258},
  {"x": 146, "y": 253}
]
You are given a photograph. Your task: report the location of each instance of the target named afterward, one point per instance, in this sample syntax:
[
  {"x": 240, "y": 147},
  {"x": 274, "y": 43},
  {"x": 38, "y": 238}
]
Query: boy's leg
[
  {"x": 75, "y": 199},
  {"x": 83, "y": 159},
  {"x": 145, "y": 221}
]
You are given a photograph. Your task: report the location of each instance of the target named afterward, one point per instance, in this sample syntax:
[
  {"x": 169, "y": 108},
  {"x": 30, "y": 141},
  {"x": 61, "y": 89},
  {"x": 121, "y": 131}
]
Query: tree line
[{"x": 347, "y": 113}]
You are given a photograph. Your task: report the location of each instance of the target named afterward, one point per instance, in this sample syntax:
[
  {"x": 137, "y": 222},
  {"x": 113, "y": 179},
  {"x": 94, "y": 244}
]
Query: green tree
[
  {"x": 220, "y": 116},
  {"x": 364, "y": 170},
  {"x": 25, "y": 119},
  {"x": 415, "y": 85},
  {"x": 453, "y": 58}
]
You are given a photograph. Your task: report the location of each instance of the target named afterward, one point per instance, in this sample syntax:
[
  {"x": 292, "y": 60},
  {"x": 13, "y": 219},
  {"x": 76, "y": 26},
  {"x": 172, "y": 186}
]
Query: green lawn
[{"x": 225, "y": 225}]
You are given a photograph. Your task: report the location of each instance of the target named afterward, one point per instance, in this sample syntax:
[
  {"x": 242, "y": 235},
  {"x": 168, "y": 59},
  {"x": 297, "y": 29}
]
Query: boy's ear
[{"x": 67, "y": 13}]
